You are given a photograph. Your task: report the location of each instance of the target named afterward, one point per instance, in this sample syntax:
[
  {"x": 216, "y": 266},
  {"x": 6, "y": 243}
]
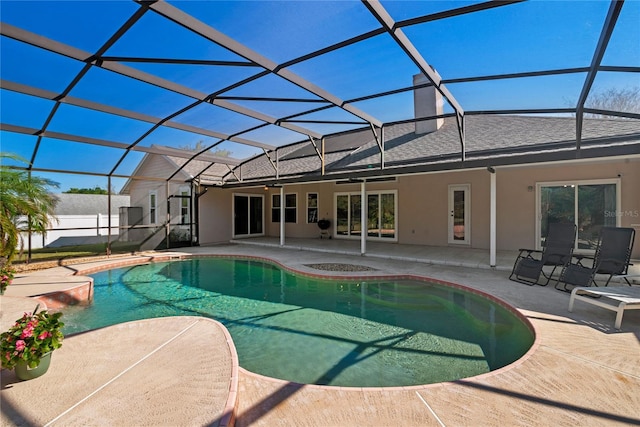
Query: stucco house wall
[
  {"x": 215, "y": 216},
  {"x": 516, "y": 201},
  {"x": 325, "y": 193},
  {"x": 422, "y": 203},
  {"x": 139, "y": 191}
]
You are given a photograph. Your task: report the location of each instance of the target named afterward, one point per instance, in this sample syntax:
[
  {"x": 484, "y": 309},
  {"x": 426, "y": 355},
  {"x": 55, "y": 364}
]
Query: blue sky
[{"x": 529, "y": 36}]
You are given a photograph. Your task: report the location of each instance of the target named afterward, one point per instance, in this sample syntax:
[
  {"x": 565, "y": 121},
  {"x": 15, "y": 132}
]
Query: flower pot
[{"x": 24, "y": 373}]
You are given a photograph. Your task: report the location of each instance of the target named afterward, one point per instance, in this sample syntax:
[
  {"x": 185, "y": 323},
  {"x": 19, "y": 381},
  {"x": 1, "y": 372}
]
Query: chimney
[{"x": 427, "y": 102}]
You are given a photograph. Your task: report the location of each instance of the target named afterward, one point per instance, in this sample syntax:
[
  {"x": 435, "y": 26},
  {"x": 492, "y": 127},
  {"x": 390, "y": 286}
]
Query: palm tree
[{"x": 25, "y": 205}]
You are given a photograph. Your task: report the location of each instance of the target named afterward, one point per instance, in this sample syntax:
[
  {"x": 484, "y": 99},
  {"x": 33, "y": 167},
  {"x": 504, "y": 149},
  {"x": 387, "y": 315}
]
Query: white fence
[{"x": 87, "y": 230}]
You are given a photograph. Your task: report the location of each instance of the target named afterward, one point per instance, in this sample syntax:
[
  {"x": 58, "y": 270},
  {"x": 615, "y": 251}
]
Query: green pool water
[{"x": 314, "y": 331}]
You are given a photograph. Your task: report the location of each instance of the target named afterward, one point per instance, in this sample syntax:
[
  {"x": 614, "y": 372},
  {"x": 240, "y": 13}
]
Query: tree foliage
[
  {"x": 614, "y": 99},
  {"x": 200, "y": 145},
  {"x": 25, "y": 204},
  {"x": 94, "y": 190}
]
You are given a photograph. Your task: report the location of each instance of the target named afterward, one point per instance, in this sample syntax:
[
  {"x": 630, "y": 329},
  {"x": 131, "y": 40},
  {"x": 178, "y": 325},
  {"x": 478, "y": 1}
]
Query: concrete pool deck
[{"x": 581, "y": 370}]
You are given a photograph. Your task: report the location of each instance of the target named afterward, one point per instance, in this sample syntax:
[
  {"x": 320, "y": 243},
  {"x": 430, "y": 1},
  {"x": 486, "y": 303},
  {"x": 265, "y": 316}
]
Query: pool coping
[{"x": 358, "y": 275}]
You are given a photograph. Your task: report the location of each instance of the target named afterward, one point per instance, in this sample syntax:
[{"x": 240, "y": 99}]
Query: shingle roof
[
  {"x": 213, "y": 173},
  {"x": 485, "y": 136},
  {"x": 88, "y": 204}
]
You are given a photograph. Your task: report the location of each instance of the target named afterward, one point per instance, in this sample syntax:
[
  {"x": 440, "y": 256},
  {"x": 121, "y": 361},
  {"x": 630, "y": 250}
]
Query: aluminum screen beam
[
  {"x": 408, "y": 22},
  {"x": 380, "y": 13},
  {"x": 77, "y": 54},
  {"x": 101, "y": 174},
  {"x": 42, "y": 42},
  {"x": 623, "y": 114},
  {"x": 177, "y": 152},
  {"x": 178, "y": 61},
  {"x": 259, "y": 98},
  {"x": 457, "y": 12},
  {"x": 170, "y": 12},
  {"x": 262, "y": 117},
  {"x": 66, "y": 137},
  {"x": 163, "y": 151},
  {"x": 95, "y": 106},
  {"x": 609, "y": 24},
  {"x": 554, "y": 72},
  {"x": 87, "y": 65}
]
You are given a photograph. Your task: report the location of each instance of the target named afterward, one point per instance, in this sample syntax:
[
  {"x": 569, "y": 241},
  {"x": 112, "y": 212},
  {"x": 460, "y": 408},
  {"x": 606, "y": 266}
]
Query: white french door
[{"x": 459, "y": 227}]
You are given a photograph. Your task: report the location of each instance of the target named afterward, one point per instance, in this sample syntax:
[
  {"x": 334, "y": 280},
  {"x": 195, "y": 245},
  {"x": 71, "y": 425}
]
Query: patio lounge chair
[
  {"x": 612, "y": 257},
  {"x": 556, "y": 253}
]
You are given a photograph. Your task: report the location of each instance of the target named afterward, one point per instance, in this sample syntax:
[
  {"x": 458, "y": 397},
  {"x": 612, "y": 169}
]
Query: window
[
  {"x": 290, "y": 207},
  {"x": 184, "y": 206},
  {"x": 381, "y": 215},
  {"x": 590, "y": 205},
  {"x": 275, "y": 208},
  {"x": 312, "y": 208},
  {"x": 153, "y": 207}
]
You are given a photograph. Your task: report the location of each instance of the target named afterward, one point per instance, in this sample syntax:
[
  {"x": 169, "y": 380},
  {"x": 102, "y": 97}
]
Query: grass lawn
[{"x": 48, "y": 254}]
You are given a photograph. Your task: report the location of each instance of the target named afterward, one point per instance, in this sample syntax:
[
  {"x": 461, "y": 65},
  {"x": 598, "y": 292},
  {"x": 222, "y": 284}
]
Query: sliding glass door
[
  {"x": 590, "y": 205},
  {"x": 248, "y": 215},
  {"x": 380, "y": 215}
]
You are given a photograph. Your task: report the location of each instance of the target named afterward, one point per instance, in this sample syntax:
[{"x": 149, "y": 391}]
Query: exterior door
[
  {"x": 248, "y": 215},
  {"x": 459, "y": 227},
  {"x": 381, "y": 221},
  {"x": 590, "y": 205}
]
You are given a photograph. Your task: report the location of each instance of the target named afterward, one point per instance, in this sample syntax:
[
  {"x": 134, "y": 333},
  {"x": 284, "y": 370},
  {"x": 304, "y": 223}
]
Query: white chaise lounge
[{"x": 616, "y": 298}]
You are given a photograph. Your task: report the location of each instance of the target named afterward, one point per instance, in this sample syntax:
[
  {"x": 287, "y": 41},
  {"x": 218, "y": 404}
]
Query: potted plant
[
  {"x": 28, "y": 344},
  {"x": 6, "y": 276}
]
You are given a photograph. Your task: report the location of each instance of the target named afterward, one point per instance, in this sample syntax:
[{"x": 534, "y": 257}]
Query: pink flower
[
  {"x": 20, "y": 345},
  {"x": 45, "y": 334},
  {"x": 27, "y": 332},
  {"x": 7, "y": 356}
]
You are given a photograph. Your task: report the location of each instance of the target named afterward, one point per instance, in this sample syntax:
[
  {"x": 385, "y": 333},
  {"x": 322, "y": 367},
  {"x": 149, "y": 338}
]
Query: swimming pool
[{"x": 359, "y": 333}]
